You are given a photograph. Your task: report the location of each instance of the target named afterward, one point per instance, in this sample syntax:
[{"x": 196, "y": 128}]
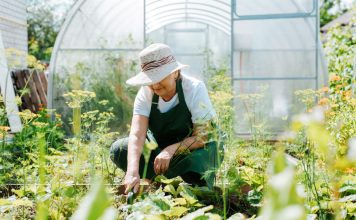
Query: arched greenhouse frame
[{"x": 269, "y": 47}]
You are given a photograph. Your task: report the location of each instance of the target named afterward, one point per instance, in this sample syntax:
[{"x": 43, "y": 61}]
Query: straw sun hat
[{"x": 157, "y": 62}]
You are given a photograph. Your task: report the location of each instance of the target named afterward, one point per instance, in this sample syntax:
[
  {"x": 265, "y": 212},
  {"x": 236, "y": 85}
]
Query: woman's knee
[{"x": 118, "y": 151}]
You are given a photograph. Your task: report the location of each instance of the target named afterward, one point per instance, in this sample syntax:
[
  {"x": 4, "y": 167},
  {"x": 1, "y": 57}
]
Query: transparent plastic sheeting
[
  {"x": 276, "y": 51},
  {"x": 263, "y": 7},
  {"x": 269, "y": 44},
  {"x": 216, "y": 13},
  {"x": 195, "y": 44},
  {"x": 104, "y": 24}
]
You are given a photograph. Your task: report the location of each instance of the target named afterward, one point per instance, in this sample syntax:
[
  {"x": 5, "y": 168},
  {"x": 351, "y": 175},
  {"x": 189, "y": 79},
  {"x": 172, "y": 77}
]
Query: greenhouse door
[
  {"x": 190, "y": 46},
  {"x": 196, "y": 30}
]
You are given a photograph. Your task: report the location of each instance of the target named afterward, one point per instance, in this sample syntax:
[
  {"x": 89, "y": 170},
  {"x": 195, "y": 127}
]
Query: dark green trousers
[{"x": 189, "y": 166}]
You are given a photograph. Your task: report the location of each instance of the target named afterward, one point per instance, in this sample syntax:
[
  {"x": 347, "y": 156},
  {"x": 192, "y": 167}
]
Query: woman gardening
[{"x": 177, "y": 110}]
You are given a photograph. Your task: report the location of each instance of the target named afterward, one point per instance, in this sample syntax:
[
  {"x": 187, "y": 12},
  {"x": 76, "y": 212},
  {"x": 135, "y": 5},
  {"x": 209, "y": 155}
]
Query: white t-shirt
[{"x": 195, "y": 95}]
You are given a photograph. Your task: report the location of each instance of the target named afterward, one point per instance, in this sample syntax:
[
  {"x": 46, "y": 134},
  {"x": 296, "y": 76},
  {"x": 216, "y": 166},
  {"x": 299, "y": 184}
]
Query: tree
[
  {"x": 331, "y": 9},
  {"x": 44, "y": 23}
]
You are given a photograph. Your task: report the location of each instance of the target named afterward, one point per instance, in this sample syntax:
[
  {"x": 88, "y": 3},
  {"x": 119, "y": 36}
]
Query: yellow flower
[
  {"x": 323, "y": 101},
  {"x": 347, "y": 93},
  {"x": 4, "y": 128},
  {"x": 338, "y": 86},
  {"x": 350, "y": 170},
  {"x": 39, "y": 124},
  {"x": 335, "y": 105},
  {"x": 77, "y": 97},
  {"x": 334, "y": 78},
  {"x": 353, "y": 101},
  {"x": 27, "y": 114},
  {"x": 325, "y": 89}
]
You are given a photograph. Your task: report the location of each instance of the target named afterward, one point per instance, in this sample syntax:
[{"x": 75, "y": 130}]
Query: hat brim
[{"x": 154, "y": 76}]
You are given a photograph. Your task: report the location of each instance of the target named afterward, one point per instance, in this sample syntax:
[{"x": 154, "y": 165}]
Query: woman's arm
[
  {"x": 197, "y": 140},
  {"x": 137, "y": 139}
]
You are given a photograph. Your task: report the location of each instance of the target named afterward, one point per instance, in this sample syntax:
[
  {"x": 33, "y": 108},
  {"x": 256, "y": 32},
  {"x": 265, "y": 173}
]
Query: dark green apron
[{"x": 174, "y": 126}]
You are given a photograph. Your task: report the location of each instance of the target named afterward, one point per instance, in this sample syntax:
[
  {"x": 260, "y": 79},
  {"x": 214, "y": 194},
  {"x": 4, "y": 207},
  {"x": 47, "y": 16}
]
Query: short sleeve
[
  {"x": 142, "y": 104},
  {"x": 200, "y": 105}
]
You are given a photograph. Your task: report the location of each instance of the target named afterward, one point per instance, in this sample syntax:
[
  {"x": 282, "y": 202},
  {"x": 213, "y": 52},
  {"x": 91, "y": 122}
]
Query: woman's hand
[
  {"x": 163, "y": 159},
  {"x": 132, "y": 181},
  {"x": 136, "y": 141}
]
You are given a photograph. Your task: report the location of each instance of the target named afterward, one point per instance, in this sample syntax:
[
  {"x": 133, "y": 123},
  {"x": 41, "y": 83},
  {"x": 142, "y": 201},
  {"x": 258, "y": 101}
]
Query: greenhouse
[
  {"x": 269, "y": 48},
  {"x": 178, "y": 109}
]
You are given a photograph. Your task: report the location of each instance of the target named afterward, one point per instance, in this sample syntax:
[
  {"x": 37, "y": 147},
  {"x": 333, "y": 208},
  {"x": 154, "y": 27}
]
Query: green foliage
[
  {"x": 104, "y": 77},
  {"x": 281, "y": 199},
  {"x": 323, "y": 169},
  {"x": 322, "y": 137},
  {"x": 340, "y": 50},
  {"x": 221, "y": 96},
  {"x": 325, "y": 14},
  {"x": 321, "y": 140},
  {"x": 180, "y": 201},
  {"x": 3, "y": 118},
  {"x": 42, "y": 32},
  {"x": 39, "y": 155},
  {"x": 95, "y": 205},
  {"x": 23, "y": 150},
  {"x": 173, "y": 182},
  {"x": 44, "y": 20}
]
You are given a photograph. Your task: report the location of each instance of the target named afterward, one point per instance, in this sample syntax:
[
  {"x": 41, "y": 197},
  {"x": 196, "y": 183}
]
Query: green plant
[
  {"x": 281, "y": 196},
  {"x": 323, "y": 167},
  {"x": 96, "y": 204},
  {"x": 148, "y": 147},
  {"x": 104, "y": 77},
  {"x": 340, "y": 48}
]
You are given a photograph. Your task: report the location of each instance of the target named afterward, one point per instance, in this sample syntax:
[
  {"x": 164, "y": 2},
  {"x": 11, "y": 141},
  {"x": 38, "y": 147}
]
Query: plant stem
[
  {"x": 76, "y": 121},
  {"x": 224, "y": 195},
  {"x": 144, "y": 172},
  {"x": 41, "y": 206}
]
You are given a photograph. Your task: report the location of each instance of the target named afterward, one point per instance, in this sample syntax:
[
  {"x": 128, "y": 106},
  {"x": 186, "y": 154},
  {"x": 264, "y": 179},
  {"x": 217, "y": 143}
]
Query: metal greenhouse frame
[{"x": 251, "y": 34}]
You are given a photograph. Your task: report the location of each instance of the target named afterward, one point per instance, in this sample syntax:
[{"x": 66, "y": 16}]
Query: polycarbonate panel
[
  {"x": 210, "y": 22},
  {"x": 275, "y": 48},
  {"x": 195, "y": 44},
  {"x": 97, "y": 50},
  {"x": 213, "y": 12},
  {"x": 278, "y": 52},
  {"x": 219, "y": 47},
  {"x": 190, "y": 42},
  {"x": 267, "y": 105},
  {"x": 275, "y": 34},
  {"x": 197, "y": 66},
  {"x": 274, "y": 63},
  {"x": 185, "y": 26},
  {"x": 105, "y": 24},
  {"x": 263, "y": 7}
]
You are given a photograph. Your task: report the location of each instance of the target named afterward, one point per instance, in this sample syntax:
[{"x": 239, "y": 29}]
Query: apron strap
[{"x": 155, "y": 100}]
